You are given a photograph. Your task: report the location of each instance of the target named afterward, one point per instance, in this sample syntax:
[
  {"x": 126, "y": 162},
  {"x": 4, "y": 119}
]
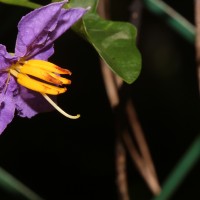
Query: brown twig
[
  {"x": 110, "y": 84},
  {"x": 143, "y": 159},
  {"x": 197, "y": 42},
  {"x": 148, "y": 166},
  {"x": 121, "y": 170},
  {"x": 141, "y": 165}
]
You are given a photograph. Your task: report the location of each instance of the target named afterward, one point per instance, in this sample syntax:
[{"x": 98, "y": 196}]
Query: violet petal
[
  {"x": 44, "y": 53},
  {"x": 29, "y": 103},
  {"x": 66, "y": 19},
  {"x": 5, "y": 58},
  {"x": 7, "y": 104},
  {"x": 34, "y": 29},
  {"x": 7, "y": 110}
]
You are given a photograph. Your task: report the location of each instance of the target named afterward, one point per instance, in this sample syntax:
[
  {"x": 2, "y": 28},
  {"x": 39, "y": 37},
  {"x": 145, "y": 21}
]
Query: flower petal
[
  {"x": 7, "y": 104},
  {"x": 44, "y": 53},
  {"x": 66, "y": 19},
  {"x": 30, "y": 103},
  {"x": 7, "y": 110},
  {"x": 35, "y": 27},
  {"x": 5, "y": 58}
]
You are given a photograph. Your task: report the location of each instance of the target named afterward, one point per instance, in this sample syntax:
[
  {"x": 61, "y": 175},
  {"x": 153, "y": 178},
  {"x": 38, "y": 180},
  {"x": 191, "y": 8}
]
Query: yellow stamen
[
  {"x": 39, "y": 73},
  {"x": 29, "y": 74},
  {"x": 47, "y": 66},
  {"x": 63, "y": 80},
  {"x": 43, "y": 74},
  {"x": 38, "y": 86},
  {"x": 27, "y": 71}
]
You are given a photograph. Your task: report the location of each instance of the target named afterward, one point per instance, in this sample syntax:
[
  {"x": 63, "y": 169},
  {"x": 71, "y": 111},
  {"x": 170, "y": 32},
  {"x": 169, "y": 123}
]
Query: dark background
[{"x": 61, "y": 158}]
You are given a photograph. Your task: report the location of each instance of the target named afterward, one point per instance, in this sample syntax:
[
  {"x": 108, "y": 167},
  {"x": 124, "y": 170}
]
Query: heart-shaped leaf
[{"x": 116, "y": 44}]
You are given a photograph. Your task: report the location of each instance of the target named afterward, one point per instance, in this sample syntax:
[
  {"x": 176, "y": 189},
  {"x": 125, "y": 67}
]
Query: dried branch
[
  {"x": 121, "y": 170},
  {"x": 142, "y": 159},
  {"x": 197, "y": 42}
]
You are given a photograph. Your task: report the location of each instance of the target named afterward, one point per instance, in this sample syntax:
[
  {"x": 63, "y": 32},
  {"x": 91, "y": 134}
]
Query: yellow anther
[
  {"x": 26, "y": 72},
  {"x": 40, "y": 73},
  {"x": 38, "y": 86},
  {"x": 63, "y": 80},
  {"x": 43, "y": 74},
  {"x": 47, "y": 66}
]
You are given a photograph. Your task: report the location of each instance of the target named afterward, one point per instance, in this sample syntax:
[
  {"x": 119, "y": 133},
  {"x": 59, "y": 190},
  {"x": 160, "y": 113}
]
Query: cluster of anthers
[{"x": 44, "y": 77}]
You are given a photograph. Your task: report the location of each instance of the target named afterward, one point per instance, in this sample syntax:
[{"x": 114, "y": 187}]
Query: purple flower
[{"x": 34, "y": 45}]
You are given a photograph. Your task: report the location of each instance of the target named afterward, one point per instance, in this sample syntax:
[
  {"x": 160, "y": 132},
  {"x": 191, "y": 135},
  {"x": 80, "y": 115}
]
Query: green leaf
[
  {"x": 12, "y": 185},
  {"x": 84, "y": 4},
  {"x": 78, "y": 27},
  {"x": 24, "y": 3},
  {"x": 116, "y": 44},
  {"x": 114, "y": 41},
  {"x": 81, "y": 3}
]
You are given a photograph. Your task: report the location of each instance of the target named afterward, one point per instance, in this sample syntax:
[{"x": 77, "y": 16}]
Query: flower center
[
  {"x": 40, "y": 76},
  {"x": 43, "y": 77}
]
